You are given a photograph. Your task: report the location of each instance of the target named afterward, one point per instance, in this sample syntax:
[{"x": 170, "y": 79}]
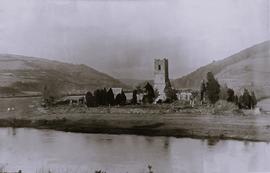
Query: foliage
[
  {"x": 134, "y": 97},
  {"x": 51, "y": 91},
  {"x": 139, "y": 89},
  {"x": 101, "y": 97},
  {"x": 236, "y": 100},
  {"x": 223, "y": 94},
  {"x": 121, "y": 99},
  {"x": 150, "y": 94},
  {"x": 90, "y": 99},
  {"x": 231, "y": 97},
  {"x": 110, "y": 97},
  {"x": 247, "y": 100},
  {"x": 100, "y": 171},
  {"x": 223, "y": 107},
  {"x": 150, "y": 169},
  {"x": 170, "y": 94},
  {"x": 202, "y": 90},
  {"x": 254, "y": 99},
  {"x": 212, "y": 88}
]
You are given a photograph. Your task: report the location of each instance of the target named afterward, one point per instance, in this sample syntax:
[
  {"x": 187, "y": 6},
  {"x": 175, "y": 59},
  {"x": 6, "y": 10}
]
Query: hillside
[
  {"x": 20, "y": 75},
  {"x": 246, "y": 69},
  {"x": 134, "y": 83}
]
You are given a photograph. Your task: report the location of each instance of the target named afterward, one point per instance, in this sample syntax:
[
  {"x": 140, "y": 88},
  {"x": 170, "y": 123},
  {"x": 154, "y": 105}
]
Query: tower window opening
[{"x": 159, "y": 67}]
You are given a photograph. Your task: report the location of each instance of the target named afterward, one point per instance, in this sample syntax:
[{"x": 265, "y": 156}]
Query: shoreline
[{"x": 217, "y": 127}]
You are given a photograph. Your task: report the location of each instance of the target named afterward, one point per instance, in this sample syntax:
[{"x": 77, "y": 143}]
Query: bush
[
  {"x": 90, "y": 99},
  {"x": 121, "y": 99},
  {"x": 231, "y": 97},
  {"x": 212, "y": 88},
  {"x": 134, "y": 100},
  {"x": 150, "y": 94},
  {"x": 223, "y": 106},
  {"x": 110, "y": 97}
]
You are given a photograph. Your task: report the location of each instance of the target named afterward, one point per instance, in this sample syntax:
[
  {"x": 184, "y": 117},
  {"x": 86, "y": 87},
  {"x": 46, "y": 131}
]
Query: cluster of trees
[
  {"x": 214, "y": 92},
  {"x": 102, "y": 97},
  {"x": 151, "y": 94},
  {"x": 247, "y": 100}
]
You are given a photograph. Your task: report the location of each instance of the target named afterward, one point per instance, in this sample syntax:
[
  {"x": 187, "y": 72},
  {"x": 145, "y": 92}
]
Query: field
[{"x": 149, "y": 120}]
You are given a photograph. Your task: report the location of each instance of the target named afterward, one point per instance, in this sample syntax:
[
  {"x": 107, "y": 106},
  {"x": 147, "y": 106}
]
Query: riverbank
[
  {"x": 150, "y": 121},
  {"x": 253, "y": 128}
]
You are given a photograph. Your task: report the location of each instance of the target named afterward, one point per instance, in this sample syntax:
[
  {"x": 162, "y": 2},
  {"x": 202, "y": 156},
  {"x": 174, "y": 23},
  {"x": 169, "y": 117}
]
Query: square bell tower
[{"x": 161, "y": 81}]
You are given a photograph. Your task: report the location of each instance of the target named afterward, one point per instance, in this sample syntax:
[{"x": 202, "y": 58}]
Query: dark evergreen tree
[
  {"x": 246, "y": 100},
  {"x": 118, "y": 99},
  {"x": 150, "y": 94},
  {"x": 134, "y": 97},
  {"x": 253, "y": 99},
  {"x": 104, "y": 97},
  {"x": 202, "y": 90},
  {"x": 90, "y": 99},
  {"x": 236, "y": 100},
  {"x": 212, "y": 88},
  {"x": 231, "y": 97},
  {"x": 121, "y": 99},
  {"x": 110, "y": 97},
  {"x": 240, "y": 102},
  {"x": 170, "y": 94},
  {"x": 98, "y": 97}
]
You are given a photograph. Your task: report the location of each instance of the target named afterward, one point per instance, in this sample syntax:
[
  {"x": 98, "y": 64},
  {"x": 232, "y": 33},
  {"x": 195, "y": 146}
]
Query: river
[{"x": 35, "y": 151}]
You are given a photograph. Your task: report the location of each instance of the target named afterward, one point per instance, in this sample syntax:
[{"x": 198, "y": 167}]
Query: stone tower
[{"x": 161, "y": 77}]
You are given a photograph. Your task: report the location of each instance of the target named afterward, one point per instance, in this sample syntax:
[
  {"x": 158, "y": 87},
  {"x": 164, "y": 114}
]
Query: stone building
[{"x": 161, "y": 81}]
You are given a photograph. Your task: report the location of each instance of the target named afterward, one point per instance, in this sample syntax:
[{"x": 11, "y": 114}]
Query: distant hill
[
  {"x": 20, "y": 75},
  {"x": 249, "y": 68},
  {"x": 136, "y": 82}
]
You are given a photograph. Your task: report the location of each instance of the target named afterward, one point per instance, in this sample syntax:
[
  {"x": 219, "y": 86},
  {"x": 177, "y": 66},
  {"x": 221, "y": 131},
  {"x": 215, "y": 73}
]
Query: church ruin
[{"x": 161, "y": 81}]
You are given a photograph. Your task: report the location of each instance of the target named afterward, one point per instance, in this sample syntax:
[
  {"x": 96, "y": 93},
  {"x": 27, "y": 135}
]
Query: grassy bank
[{"x": 166, "y": 120}]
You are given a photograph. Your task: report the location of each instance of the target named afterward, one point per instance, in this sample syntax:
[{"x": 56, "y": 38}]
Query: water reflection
[
  {"x": 212, "y": 141},
  {"x": 39, "y": 150}
]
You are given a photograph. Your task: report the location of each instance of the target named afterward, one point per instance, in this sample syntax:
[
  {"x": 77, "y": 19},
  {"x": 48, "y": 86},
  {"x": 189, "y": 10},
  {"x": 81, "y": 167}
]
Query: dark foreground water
[{"x": 39, "y": 150}]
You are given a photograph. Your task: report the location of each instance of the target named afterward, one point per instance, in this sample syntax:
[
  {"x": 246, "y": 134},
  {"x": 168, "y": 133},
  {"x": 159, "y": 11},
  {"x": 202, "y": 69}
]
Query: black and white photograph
[{"x": 134, "y": 86}]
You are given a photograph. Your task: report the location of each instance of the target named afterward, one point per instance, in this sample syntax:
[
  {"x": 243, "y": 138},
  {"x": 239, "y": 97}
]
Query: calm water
[{"x": 37, "y": 150}]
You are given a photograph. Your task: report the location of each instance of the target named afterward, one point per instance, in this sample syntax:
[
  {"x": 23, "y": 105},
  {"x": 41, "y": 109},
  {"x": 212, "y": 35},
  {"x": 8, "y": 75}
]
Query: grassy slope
[
  {"x": 30, "y": 74},
  {"x": 248, "y": 68}
]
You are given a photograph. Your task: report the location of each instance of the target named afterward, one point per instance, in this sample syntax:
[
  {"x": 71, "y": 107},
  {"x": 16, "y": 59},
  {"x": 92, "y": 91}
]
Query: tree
[
  {"x": 236, "y": 100},
  {"x": 124, "y": 98},
  {"x": 51, "y": 91},
  {"x": 121, "y": 99},
  {"x": 170, "y": 94},
  {"x": 202, "y": 90},
  {"x": 90, "y": 99},
  {"x": 212, "y": 88},
  {"x": 104, "y": 97},
  {"x": 150, "y": 94},
  {"x": 223, "y": 94},
  {"x": 253, "y": 100},
  {"x": 98, "y": 97},
  {"x": 139, "y": 89},
  {"x": 110, "y": 97},
  {"x": 231, "y": 97},
  {"x": 134, "y": 97},
  {"x": 246, "y": 100}
]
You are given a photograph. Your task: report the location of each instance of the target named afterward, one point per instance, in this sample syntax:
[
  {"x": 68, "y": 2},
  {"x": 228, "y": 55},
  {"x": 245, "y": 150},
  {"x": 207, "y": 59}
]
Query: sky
[{"x": 123, "y": 37}]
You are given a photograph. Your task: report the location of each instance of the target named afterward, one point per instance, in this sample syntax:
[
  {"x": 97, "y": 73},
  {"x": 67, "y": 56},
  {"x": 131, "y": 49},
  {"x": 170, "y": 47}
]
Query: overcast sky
[{"x": 123, "y": 37}]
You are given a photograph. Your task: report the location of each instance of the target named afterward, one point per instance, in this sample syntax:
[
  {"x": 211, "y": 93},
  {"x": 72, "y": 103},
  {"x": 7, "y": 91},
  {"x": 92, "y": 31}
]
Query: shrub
[
  {"x": 110, "y": 97},
  {"x": 212, "y": 88},
  {"x": 90, "y": 99}
]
